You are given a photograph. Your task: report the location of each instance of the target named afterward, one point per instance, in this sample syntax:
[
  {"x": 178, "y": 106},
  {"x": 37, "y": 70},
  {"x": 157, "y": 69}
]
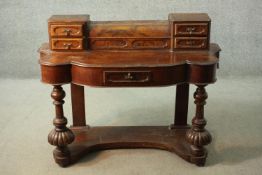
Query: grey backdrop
[{"x": 236, "y": 26}]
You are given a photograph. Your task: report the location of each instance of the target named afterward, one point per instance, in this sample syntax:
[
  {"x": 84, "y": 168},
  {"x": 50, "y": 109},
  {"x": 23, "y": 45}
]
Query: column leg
[
  {"x": 78, "y": 105},
  {"x": 60, "y": 136},
  {"x": 181, "y": 108},
  {"x": 197, "y": 136}
]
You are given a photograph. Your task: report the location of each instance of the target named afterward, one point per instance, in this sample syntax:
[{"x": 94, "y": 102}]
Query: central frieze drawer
[
  {"x": 199, "y": 29},
  {"x": 75, "y": 30},
  {"x": 118, "y": 77}
]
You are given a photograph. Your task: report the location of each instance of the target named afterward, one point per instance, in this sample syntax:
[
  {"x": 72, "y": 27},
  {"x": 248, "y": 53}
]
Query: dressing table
[{"x": 148, "y": 53}]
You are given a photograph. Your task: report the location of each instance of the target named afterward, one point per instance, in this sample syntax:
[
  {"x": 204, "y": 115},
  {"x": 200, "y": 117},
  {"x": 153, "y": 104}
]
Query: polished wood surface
[
  {"x": 60, "y": 136},
  {"x": 162, "y": 67},
  {"x": 191, "y": 29},
  {"x": 75, "y": 30},
  {"x": 197, "y": 136},
  {"x": 129, "y": 35},
  {"x": 160, "y": 137},
  {"x": 67, "y": 32},
  {"x": 136, "y": 58},
  {"x": 147, "y": 53},
  {"x": 78, "y": 105},
  {"x": 181, "y": 107}
]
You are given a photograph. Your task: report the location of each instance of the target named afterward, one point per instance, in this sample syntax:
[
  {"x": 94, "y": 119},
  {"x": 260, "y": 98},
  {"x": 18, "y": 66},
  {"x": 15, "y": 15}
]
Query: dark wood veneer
[{"x": 129, "y": 54}]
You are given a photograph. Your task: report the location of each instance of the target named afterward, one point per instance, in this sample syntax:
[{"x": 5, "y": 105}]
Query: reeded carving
[
  {"x": 60, "y": 136},
  {"x": 197, "y": 136}
]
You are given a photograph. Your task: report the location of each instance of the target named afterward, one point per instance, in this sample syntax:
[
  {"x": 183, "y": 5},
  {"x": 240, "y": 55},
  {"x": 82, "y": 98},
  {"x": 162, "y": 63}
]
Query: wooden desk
[{"x": 129, "y": 54}]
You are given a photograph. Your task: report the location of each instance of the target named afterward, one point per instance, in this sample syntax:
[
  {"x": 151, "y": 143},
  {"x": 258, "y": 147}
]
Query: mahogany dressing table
[{"x": 176, "y": 51}]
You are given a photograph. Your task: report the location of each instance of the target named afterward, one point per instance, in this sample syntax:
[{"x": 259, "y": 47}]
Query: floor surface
[{"x": 233, "y": 112}]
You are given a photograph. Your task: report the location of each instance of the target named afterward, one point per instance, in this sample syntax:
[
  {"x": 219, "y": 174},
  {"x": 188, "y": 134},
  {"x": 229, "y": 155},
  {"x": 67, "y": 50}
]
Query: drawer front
[
  {"x": 67, "y": 44},
  {"x": 190, "y": 43},
  {"x": 127, "y": 77},
  {"x": 75, "y": 30},
  {"x": 200, "y": 29}
]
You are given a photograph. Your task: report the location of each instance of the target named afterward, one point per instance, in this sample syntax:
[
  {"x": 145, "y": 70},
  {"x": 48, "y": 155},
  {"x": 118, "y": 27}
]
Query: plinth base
[{"x": 158, "y": 137}]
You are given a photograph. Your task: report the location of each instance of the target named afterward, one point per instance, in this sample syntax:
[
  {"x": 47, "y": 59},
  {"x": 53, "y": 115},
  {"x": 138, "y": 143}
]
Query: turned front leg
[
  {"x": 197, "y": 136},
  {"x": 60, "y": 136}
]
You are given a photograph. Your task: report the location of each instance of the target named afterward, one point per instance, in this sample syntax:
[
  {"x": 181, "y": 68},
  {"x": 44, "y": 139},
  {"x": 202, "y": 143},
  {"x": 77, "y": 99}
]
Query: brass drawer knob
[
  {"x": 68, "y": 32},
  {"x": 67, "y": 45},
  {"x": 190, "y": 29},
  {"x": 129, "y": 76}
]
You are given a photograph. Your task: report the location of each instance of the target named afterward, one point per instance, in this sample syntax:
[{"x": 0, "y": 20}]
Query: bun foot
[
  {"x": 62, "y": 156},
  {"x": 199, "y": 160}
]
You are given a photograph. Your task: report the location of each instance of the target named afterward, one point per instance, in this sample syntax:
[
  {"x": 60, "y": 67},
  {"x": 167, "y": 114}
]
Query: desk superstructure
[{"x": 149, "y": 53}]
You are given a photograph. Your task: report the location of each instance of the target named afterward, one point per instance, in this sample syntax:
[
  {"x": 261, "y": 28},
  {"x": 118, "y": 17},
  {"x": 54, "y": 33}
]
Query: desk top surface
[{"x": 133, "y": 58}]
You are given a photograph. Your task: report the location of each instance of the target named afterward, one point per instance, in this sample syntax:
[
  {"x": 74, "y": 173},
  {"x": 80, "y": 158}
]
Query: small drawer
[
  {"x": 124, "y": 77},
  {"x": 190, "y": 43},
  {"x": 199, "y": 29},
  {"x": 67, "y": 44},
  {"x": 75, "y": 30}
]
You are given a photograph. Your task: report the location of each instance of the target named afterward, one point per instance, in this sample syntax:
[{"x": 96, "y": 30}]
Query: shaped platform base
[{"x": 101, "y": 138}]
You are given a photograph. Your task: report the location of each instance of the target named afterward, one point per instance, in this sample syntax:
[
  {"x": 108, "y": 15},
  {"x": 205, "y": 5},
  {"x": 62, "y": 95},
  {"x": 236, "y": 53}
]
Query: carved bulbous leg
[
  {"x": 197, "y": 136},
  {"x": 60, "y": 136}
]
